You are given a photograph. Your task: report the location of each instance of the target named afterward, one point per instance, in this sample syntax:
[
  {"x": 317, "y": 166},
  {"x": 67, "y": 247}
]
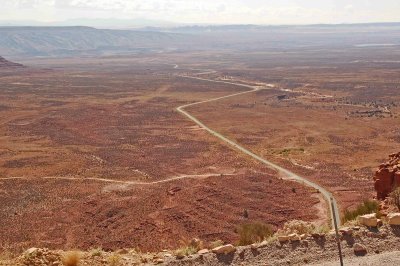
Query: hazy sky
[{"x": 207, "y": 11}]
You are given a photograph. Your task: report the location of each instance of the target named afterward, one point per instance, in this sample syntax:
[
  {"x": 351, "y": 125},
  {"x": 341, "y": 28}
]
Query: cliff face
[
  {"x": 7, "y": 64},
  {"x": 387, "y": 177}
]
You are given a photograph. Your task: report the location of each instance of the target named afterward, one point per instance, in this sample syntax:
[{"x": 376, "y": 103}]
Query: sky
[{"x": 206, "y": 11}]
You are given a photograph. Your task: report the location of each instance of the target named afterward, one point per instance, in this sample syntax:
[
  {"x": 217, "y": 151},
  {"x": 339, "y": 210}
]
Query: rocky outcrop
[
  {"x": 7, "y": 64},
  {"x": 387, "y": 177}
]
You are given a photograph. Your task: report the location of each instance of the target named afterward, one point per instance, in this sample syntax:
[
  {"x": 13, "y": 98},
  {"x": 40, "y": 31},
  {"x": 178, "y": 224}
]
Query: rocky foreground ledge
[{"x": 294, "y": 249}]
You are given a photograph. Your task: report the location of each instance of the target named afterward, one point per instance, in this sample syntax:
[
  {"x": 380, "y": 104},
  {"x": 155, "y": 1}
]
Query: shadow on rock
[
  {"x": 226, "y": 258},
  {"x": 395, "y": 230}
]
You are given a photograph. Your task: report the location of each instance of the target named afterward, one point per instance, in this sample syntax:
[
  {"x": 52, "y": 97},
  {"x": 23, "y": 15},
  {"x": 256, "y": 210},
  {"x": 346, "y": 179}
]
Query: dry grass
[
  {"x": 367, "y": 207},
  {"x": 298, "y": 227},
  {"x": 254, "y": 232},
  {"x": 185, "y": 251},
  {"x": 215, "y": 244},
  {"x": 114, "y": 260},
  {"x": 71, "y": 258},
  {"x": 5, "y": 255}
]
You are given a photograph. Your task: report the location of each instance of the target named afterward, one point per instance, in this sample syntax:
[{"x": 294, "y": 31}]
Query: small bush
[
  {"x": 367, "y": 207},
  {"x": 395, "y": 197},
  {"x": 254, "y": 232},
  {"x": 71, "y": 258}
]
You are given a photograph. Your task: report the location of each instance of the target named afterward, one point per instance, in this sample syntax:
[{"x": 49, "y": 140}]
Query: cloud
[{"x": 207, "y": 11}]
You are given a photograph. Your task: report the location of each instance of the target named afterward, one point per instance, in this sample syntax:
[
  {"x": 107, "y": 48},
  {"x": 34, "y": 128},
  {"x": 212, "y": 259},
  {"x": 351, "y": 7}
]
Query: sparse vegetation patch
[
  {"x": 254, "y": 232},
  {"x": 368, "y": 206}
]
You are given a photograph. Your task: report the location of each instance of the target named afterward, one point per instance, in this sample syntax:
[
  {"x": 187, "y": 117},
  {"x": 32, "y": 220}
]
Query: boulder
[
  {"x": 359, "y": 248},
  {"x": 31, "y": 251},
  {"x": 369, "y": 220},
  {"x": 394, "y": 218},
  {"x": 226, "y": 249},
  {"x": 203, "y": 251}
]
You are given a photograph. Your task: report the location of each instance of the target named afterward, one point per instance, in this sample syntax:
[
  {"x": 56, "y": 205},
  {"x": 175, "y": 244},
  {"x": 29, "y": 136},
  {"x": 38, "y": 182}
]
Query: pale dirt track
[
  {"x": 284, "y": 172},
  {"x": 106, "y": 180}
]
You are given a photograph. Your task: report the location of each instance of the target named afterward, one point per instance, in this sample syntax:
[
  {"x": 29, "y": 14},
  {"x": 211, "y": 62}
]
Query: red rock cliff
[{"x": 387, "y": 177}]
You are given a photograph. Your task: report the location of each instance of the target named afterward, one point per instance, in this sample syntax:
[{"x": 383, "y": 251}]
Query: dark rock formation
[{"x": 7, "y": 64}]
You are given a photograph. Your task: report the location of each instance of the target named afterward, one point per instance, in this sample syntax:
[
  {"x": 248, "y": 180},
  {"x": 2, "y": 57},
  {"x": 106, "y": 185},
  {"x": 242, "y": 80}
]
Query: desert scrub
[
  {"x": 215, "y": 244},
  {"x": 114, "y": 260},
  {"x": 71, "y": 258},
  {"x": 5, "y": 255},
  {"x": 97, "y": 252},
  {"x": 367, "y": 207},
  {"x": 395, "y": 198},
  {"x": 298, "y": 227},
  {"x": 253, "y": 232},
  {"x": 185, "y": 251}
]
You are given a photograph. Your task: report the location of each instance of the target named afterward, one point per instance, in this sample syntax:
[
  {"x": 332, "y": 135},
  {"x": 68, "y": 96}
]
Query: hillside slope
[
  {"x": 8, "y": 64},
  {"x": 56, "y": 41}
]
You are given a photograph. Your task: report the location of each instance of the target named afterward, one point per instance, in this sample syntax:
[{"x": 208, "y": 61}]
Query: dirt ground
[
  {"x": 94, "y": 157},
  {"x": 94, "y": 154},
  {"x": 329, "y": 117}
]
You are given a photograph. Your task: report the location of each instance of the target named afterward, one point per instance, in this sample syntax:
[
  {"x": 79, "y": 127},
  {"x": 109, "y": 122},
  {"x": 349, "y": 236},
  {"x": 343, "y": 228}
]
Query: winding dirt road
[{"x": 282, "y": 171}]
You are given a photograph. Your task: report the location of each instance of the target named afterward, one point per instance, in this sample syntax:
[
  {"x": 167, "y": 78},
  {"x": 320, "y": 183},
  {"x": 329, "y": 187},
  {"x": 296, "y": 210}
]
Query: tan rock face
[
  {"x": 387, "y": 177},
  {"x": 394, "y": 218}
]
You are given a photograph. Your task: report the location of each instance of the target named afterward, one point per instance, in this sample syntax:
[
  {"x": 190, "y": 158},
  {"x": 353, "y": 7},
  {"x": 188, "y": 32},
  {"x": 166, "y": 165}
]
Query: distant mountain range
[
  {"x": 96, "y": 23},
  {"x": 88, "y": 41},
  {"x": 64, "y": 41}
]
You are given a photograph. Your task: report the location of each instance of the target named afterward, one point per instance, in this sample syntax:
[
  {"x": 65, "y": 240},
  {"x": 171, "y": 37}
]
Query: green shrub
[
  {"x": 254, "y": 232},
  {"x": 367, "y": 207}
]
